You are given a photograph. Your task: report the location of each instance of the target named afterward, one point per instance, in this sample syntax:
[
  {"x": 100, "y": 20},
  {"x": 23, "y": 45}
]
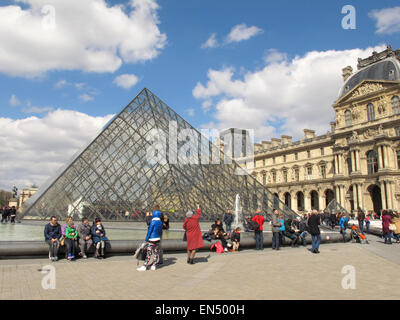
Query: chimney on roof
[
  {"x": 347, "y": 72},
  {"x": 309, "y": 134},
  {"x": 286, "y": 139},
  {"x": 276, "y": 142},
  {"x": 266, "y": 144}
]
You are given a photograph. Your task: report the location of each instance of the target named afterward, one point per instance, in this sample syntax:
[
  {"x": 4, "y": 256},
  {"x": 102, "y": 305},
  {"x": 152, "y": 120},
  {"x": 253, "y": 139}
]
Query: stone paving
[{"x": 285, "y": 274}]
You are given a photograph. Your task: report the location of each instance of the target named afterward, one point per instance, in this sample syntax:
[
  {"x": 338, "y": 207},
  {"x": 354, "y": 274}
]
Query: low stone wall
[{"x": 13, "y": 249}]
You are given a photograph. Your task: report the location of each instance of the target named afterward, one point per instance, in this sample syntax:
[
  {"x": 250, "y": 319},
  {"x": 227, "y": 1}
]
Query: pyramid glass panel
[{"x": 116, "y": 173}]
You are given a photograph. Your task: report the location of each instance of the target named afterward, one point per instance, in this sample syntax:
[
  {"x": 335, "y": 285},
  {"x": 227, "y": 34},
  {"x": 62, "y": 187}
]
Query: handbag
[
  {"x": 184, "y": 237},
  {"x": 392, "y": 227},
  {"x": 62, "y": 242}
]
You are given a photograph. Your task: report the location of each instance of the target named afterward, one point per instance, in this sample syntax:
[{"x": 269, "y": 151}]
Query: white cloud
[
  {"x": 285, "y": 96},
  {"x": 38, "y": 147},
  {"x": 89, "y": 35},
  {"x": 14, "y": 101},
  {"x": 242, "y": 32},
  {"x": 387, "y": 20},
  {"x": 274, "y": 56},
  {"x": 61, "y": 84},
  {"x": 33, "y": 109},
  {"x": 126, "y": 81},
  {"x": 211, "y": 42},
  {"x": 85, "y": 97},
  {"x": 190, "y": 112}
]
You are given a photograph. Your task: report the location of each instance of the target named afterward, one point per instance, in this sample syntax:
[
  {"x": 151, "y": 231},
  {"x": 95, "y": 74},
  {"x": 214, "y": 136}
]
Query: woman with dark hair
[{"x": 193, "y": 234}]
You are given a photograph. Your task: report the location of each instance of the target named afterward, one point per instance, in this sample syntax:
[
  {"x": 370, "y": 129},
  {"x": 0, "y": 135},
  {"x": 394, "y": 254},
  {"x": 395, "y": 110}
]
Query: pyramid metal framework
[
  {"x": 112, "y": 178},
  {"x": 334, "y": 207}
]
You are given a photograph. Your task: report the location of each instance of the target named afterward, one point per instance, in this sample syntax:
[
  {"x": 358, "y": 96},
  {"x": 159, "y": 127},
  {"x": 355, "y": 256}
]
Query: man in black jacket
[
  {"x": 313, "y": 228},
  {"x": 228, "y": 219}
]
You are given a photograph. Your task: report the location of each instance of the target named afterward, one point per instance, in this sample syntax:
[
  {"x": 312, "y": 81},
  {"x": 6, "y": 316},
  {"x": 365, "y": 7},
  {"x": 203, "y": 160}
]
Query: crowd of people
[
  {"x": 8, "y": 214},
  {"x": 79, "y": 239},
  {"x": 73, "y": 237}
]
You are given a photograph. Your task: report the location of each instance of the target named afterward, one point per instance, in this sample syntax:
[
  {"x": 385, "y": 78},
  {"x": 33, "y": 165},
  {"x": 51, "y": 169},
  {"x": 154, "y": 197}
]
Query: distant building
[
  {"x": 26, "y": 194},
  {"x": 358, "y": 161},
  {"x": 13, "y": 202}
]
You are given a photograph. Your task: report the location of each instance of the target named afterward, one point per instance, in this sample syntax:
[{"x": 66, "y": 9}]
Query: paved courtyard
[{"x": 287, "y": 274}]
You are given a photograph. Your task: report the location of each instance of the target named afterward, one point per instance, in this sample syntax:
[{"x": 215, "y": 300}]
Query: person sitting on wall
[
  {"x": 235, "y": 238},
  {"x": 99, "y": 238},
  {"x": 165, "y": 221},
  {"x": 52, "y": 235},
  {"x": 85, "y": 237},
  {"x": 219, "y": 225},
  {"x": 291, "y": 233}
]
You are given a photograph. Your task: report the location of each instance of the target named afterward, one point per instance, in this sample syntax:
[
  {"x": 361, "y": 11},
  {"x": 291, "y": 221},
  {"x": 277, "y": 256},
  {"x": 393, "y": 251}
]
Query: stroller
[{"x": 357, "y": 236}]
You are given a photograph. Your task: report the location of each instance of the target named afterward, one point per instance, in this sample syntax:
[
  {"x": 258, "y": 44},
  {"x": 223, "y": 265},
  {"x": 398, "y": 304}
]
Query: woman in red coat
[{"x": 193, "y": 234}]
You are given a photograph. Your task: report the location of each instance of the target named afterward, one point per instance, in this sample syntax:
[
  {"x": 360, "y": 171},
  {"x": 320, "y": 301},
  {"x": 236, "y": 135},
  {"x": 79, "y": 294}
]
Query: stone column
[
  {"x": 321, "y": 201},
  {"x": 307, "y": 201},
  {"x": 380, "y": 158},
  {"x": 355, "y": 202},
  {"x": 342, "y": 196},
  {"x": 383, "y": 194},
  {"x": 340, "y": 167},
  {"x": 386, "y": 156},
  {"x": 337, "y": 194},
  {"x": 353, "y": 161},
  {"x": 357, "y": 160},
  {"x": 360, "y": 197},
  {"x": 336, "y": 162},
  {"x": 389, "y": 194}
]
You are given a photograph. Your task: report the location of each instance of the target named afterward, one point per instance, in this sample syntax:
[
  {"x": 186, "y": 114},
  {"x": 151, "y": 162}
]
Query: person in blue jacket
[
  {"x": 99, "y": 238},
  {"x": 344, "y": 220},
  {"x": 153, "y": 239},
  {"x": 52, "y": 235}
]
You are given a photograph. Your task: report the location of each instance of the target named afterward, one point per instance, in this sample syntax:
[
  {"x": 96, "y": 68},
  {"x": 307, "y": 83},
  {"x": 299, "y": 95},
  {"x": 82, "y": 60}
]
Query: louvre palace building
[{"x": 357, "y": 162}]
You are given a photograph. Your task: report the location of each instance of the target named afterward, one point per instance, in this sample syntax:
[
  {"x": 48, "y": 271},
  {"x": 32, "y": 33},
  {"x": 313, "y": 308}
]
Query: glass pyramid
[
  {"x": 334, "y": 207},
  {"x": 113, "y": 178}
]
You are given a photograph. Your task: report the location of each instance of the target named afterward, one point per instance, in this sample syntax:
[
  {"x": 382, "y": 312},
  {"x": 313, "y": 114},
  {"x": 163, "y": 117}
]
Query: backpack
[
  {"x": 255, "y": 226},
  {"x": 218, "y": 247}
]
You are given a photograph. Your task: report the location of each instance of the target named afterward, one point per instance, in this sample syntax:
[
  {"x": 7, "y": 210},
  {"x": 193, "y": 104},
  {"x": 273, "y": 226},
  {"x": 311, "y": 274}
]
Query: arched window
[
  {"x": 396, "y": 105},
  {"x": 371, "y": 112},
  {"x": 372, "y": 161},
  {"x": 347, "y": 117}
]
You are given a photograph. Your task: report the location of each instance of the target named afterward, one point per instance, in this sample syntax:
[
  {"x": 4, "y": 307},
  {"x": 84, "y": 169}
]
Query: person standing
[
  {"x": 367, "y": 222},
  {"x": 360, "y": 218},
  {"x": 228, "y": 219},
  {"x": 52, "y": 235},
  {"x": 85, "y": 237},
  {"x": 3, "y": 215},
  {"x": 343, "y": 223},
  {"x": 313, "y": 228},
  {"x": 193, "y": 234},
  {"x": 153, "y": 239},
  {"x": 276, "y": 225},
  {"x": 258, "y": 232},
  {"x": 281, "y": 229},
  {"x": 386, "y": 221},
  {"x": 13, "y": 214}
]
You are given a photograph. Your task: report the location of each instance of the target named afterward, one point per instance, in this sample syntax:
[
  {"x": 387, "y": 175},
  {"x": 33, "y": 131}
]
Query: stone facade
[{"x": 357, "y": 162}]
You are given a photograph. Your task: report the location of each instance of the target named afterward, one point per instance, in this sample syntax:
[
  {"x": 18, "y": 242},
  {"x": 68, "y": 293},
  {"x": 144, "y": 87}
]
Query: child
[
  {"x": 235, "y": 237},
  {"x": 99, "y": 238},
  {"x": 71, "y": 234}
]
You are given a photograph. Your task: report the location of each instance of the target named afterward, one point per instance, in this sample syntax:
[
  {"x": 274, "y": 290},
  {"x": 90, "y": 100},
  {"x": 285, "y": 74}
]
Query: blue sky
[{"x": 178, "y": 70}]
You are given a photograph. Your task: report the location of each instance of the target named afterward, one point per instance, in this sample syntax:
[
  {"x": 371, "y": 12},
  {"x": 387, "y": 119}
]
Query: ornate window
[
  {"x": 285, "y": 176},
  {"x": 274, "y": 176},
  {"x": 309, "y": 173},
  {"x": 349, "y": 165},
  {"x": 396, "y": 105},
  {"x": 371, "y": 112},
  {"x": 347, "y": 117},
  {"x": 372, "y": 161},
  {"x": 264, "y": 178},
  {"x": 296, "y": 156},
  {"x": 308, "y": 153},
  {"x": 323, "y": 171},
  {"x": 297, "y": 174}
]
